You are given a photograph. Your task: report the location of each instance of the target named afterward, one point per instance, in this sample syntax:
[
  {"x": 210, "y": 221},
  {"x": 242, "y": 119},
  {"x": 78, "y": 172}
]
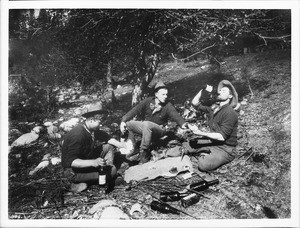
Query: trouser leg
[
  {"x": 213, "y": 157},
  {"x": 90, "y": 174},
  {"x": 134, "y": 127},
  {"x": 108, "y": 153},
  {"x": 150, "y": 131}
]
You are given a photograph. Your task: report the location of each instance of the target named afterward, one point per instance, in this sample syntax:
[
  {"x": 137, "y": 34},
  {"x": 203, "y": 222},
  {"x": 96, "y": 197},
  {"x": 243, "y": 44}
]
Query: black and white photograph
[{"x": 148, "y": 114}]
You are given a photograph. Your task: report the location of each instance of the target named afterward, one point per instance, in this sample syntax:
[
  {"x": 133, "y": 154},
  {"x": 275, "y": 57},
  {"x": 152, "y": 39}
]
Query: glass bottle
[
  {"x": 172, "y": 196},
  {"x": 102, "y": 176},
  {"x": 163, "y": 208},
  {"x": 203, "y": 185}
]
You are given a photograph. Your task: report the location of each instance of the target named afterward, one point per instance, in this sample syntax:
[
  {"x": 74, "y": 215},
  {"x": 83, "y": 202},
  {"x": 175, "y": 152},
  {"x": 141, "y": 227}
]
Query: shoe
[
  {"x": 78, "y": 187},
  {"x": 145, "y": 156},
  {"x": 119, "y": 181}
]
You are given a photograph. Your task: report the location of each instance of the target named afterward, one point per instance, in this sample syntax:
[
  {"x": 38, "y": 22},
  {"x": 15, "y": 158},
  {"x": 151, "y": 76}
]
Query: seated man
[
  {"x": 156, "y": 111},
  {"x": 217, "y": 147},
  {"x": 81, "y": 159}
]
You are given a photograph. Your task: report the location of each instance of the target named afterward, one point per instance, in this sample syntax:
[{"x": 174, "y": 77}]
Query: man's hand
[
  {"x": 184, "y": 126},
  {"x": 199, "y": 132},
  {"x": 99, "y": 162},
  {"x": 123, "y": 127}
]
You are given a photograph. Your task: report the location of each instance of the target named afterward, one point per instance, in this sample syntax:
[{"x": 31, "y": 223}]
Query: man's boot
[
  {"x": 145, "y": 156},
  {"x": 133, "y": 155}
]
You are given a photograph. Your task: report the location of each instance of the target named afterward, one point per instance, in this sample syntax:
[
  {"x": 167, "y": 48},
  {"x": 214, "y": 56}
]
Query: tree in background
[{"x": 60, "y": 46}]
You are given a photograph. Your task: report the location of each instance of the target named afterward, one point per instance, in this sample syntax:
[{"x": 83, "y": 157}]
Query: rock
[
  {"x": 37, "y": 129},
  {"x": 102, "y": 204},
  {"x": 48, "y": 124},
  {"x": 52, "y": 129},
  {"x": 113, "y": 213},
  {"x": 52, "y": 132},
  {"x": 39, "y": 167},
  {"x": 68, "y": 125},
  {"x": 244, "y": 102},
  {"x": 83, "y": 98},
  {"x": 55, "y": 161},
  {"x": 60, "y": 111},
  {"x": 46, "y": 157},
  {"x": 26, "y": 139},
  {"x": 77, "y": 112}
]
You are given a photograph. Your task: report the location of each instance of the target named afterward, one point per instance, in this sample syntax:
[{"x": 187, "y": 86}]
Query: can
[{"x": 190, "y": 200}]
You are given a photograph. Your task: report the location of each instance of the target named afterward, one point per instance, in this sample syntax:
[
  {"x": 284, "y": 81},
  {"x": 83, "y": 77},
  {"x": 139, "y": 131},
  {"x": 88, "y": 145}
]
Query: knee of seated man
[
  {"x": 146, "y": 124},
  {"x": 108, "y": 148},
  {"x": 205, "y": 165}
]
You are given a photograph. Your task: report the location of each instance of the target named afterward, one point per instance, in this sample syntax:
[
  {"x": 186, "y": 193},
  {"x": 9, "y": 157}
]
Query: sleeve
[
  {"x": 102, "y": 136},
  {"x": 134, "y": 111},
  {"x": 174, "y": 115},
  {"x": 73, "y": 148},
  {"x": 228, "y": 122},
  {"x": 200, "y": 107}
]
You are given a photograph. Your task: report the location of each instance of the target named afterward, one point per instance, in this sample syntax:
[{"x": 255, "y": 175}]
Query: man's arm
[
  {"x": 211, "y": 135},
  {"x": 116, "y": 143},
  {"x": 80, "y": 163},
  {"x": 174, "y": 115},
  {"x": 135, "y": 110},
  {"x": 132, "y": 113},
  {"x": 196, "y": 99}
]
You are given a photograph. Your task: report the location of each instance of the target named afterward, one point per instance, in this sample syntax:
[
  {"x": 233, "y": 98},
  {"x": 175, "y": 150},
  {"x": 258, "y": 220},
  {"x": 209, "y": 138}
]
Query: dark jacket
[
  {"x": 145, "y": 108},
  {"x": 78, "y": 143},
  {"x": 224, "y": 121}
]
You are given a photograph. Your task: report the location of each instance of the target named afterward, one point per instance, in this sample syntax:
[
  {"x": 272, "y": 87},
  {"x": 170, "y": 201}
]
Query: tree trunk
[
  {"x": 144, "y": 78},
  {"x": 110, "y": 84}
]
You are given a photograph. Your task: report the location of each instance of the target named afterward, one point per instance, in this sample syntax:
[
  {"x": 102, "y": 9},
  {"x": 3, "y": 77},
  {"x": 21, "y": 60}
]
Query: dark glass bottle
[
  {"x": 171, "y": 196},
  {"x": 203, "y": 185},
  {"x": 124, "y": 136},
  {"x": 163, "y": 208},
  {"x": 102, "y": 176}
]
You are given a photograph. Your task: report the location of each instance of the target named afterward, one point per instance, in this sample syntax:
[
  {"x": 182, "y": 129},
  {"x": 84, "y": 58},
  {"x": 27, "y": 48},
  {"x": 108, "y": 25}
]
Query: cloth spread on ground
[{"x": 167, "y": 167}]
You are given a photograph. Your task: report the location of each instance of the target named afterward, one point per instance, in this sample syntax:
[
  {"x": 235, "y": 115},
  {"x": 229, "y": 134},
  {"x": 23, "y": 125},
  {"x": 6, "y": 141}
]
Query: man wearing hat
[
  {"x": 156, "y": 112},
  {"x": 81, "y": 159},
  {"x": 217, "y": 146}
]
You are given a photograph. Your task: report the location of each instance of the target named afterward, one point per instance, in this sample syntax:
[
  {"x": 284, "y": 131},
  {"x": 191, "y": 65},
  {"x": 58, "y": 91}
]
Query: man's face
[
  {"x": 224, "y": 94},
  {"x": 95, "y": 122},
  {"x": 162, "y": 95}
]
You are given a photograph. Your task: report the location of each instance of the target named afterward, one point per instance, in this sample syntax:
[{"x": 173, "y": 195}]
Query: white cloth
[{"x": 167, "y": 167}]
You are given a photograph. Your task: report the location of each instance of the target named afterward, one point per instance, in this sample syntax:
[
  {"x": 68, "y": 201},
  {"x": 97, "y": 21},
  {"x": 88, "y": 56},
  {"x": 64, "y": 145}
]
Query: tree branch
[{"x": 196, "y": 53}]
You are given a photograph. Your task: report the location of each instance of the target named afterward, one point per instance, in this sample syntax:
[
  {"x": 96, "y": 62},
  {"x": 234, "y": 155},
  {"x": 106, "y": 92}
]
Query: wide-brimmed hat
[
  {"x": 159, "y": 85},
  {"x": 94, "y": 109},
  {"x": 228, "y": 84}
]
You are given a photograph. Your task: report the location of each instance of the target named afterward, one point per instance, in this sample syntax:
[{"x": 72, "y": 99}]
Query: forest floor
[{"x": 256, "y": 185}]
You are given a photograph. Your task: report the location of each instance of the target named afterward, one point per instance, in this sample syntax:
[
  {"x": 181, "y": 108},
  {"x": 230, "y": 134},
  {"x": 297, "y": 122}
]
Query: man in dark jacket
[
  {"x": 217, "y": 146},
  {"x": 81, "y": 159},
  {"x": 156, "y": 112}
]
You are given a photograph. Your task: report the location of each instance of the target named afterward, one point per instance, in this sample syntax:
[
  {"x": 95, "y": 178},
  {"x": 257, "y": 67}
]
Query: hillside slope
[{"x": 257, "y": 184}]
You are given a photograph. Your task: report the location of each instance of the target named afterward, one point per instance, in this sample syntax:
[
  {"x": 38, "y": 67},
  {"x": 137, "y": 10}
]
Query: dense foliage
[{"x": 53, "y": 48}]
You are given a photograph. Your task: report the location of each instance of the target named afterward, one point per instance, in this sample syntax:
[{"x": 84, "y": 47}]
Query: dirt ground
[{"x": 257, "y": 184}]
